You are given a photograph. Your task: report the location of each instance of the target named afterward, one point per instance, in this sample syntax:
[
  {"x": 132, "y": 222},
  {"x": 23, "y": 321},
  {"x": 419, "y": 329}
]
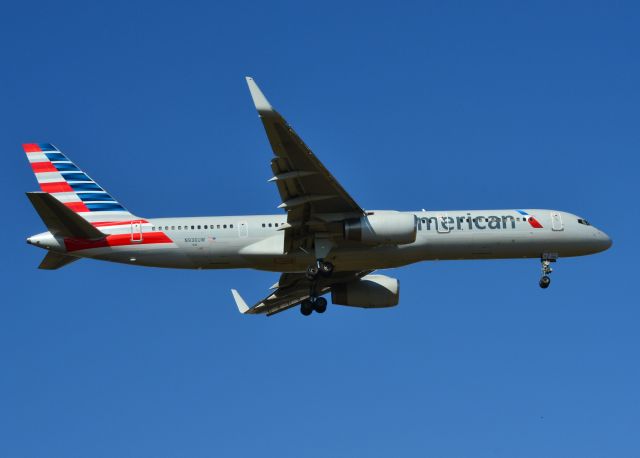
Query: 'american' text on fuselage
[{"x": 467, "y": 222}]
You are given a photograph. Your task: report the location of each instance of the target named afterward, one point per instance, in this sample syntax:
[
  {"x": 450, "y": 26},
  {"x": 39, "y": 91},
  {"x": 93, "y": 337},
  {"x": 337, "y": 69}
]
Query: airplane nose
[{"x": 605, "y": 240}]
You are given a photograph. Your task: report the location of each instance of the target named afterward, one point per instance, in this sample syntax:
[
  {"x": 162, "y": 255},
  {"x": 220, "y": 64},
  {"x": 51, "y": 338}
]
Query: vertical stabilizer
[{"x": 61, "y": 178}]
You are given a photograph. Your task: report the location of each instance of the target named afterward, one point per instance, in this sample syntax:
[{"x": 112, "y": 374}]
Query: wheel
[
  {"x": 312, "y": 272},
  {"x": 306, "y": 308},
  {"x": 545, "y": 281},
  {"x": 326, "y": 268},
  {"x": 321, "y": 305}
]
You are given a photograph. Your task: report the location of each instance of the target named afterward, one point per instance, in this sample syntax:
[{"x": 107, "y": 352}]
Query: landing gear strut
[
  {"x": 546, "y": 261},
  {"x": 320, "y": 268}
]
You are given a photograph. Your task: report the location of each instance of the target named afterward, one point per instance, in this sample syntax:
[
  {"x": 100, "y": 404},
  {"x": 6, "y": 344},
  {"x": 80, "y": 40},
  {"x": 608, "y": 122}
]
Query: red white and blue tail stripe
[{"x": 61, "y": 178}]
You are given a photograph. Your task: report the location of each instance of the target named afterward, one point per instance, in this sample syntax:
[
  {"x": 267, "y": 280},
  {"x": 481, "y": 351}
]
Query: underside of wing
[{"x": 310, "y": 195}]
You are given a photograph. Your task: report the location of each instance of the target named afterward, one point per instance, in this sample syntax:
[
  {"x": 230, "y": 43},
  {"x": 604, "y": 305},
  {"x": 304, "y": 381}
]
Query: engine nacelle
[
  {"x": 382, "y": 227},
  {"x": 371, "y": 291}
]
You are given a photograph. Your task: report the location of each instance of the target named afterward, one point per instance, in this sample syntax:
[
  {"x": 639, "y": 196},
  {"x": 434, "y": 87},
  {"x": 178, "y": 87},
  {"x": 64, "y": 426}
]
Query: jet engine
[
  {"x": 371, "y": 291},
  {"x": 382, "y": 227}
]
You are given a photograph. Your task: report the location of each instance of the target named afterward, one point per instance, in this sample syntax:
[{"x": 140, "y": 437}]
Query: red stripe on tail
[
  {"x": 77, "y": 206},
  {"x": 31, "y": 148},
  {"x": 62, "y": 186},
  {"x": 39, "y": 167}
]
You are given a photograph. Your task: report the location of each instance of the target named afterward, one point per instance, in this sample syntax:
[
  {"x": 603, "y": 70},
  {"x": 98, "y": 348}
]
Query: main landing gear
[
  {"x": 317, "y": 304},
  {"x": 321, "y": 267},
  {"x": 546, "y": 261}
]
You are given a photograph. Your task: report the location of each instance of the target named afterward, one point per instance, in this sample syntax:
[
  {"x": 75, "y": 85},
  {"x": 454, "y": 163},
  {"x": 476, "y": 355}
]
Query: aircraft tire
[
  {"x": 306, "y": 308},
  {"x": 320, "y": 305},
  {"x": 326, "y": 268},
  {"x": 545, "y": 281},
  {"x": 312, "y": 272}
]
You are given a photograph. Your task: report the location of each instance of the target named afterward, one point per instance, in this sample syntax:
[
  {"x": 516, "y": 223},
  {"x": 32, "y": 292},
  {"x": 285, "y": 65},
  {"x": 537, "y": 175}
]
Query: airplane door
[
  {"x": 136, "y": 231},
  {"x": 243, "y": 229},
  {"x": 443, "y": 225},
  {"x": 556, "y": 221}
]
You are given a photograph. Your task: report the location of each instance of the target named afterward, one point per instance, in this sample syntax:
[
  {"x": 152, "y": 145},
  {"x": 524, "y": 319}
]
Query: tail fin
[{"x": 60, "y": 177}]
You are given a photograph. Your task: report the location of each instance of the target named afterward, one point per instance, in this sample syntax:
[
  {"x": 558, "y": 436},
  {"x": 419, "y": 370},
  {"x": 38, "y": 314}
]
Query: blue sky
[{"x": 438, "y": 105}]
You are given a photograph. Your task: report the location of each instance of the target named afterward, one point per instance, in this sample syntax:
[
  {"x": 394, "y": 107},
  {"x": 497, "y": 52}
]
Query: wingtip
[
  {"x": 240, "y": 303},
  {"x": 259, "y": 100}
]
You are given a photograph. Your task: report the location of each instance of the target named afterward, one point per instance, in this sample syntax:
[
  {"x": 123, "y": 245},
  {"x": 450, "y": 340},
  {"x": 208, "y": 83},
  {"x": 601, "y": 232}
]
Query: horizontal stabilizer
[
  {"x": 53, "y": 261},
  {"x": 61, "y": 220}
]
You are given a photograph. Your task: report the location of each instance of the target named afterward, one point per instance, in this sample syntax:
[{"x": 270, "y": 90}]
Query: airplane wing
[
  {"x": 309, "y": 193},
  {"x": 292, "y": 289}
]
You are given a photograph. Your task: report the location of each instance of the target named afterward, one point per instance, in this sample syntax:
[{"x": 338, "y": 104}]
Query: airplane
[{"x": 323, "y": 242}]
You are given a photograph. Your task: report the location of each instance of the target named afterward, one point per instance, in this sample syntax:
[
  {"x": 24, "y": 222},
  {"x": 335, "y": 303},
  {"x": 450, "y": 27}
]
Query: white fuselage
[{"x": 257, "y": 241}]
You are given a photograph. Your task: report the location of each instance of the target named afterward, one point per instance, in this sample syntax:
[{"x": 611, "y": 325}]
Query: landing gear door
[
  {"x": 136, "y": 231},
  {"x": 443, "y": 224},
  {"x": 556, "y": 221}
]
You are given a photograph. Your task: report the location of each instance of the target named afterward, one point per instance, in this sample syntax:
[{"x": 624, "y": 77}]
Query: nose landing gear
[
  {"x": 545, "y": 281},
  {"x": 546, "y": 260}
]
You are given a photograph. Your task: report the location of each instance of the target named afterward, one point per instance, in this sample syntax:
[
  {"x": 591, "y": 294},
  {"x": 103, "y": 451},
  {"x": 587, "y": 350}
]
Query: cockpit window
[{"x": 584, "y": 221}]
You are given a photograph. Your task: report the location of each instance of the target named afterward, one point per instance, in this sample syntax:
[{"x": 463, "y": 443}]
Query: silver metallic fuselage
[{"x": 256, "y": 242}]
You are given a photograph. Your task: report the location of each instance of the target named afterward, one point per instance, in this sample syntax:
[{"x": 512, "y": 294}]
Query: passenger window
[
  {"x": 269, "y": 224},
  {"x": 231, "y": 226},
  {"x": 206, "y": 227},
  {"x": 193, "y": 227},
  {"x": 224, "y": 226},
  {"x": 264, "y": 225},
  {"x": 218, "y": 226},
  {"x": 173, "y": 228},
  {"x": 276, "y": 224}
]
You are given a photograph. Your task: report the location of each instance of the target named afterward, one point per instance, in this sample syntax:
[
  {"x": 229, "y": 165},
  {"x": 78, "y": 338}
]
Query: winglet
[
  {"x": 259, "y": 100},
  {"x": 240, "y": 303}
]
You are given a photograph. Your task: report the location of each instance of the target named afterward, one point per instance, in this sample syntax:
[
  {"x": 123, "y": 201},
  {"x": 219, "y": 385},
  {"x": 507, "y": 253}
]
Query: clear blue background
[{"x": 411, "y": 105}]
